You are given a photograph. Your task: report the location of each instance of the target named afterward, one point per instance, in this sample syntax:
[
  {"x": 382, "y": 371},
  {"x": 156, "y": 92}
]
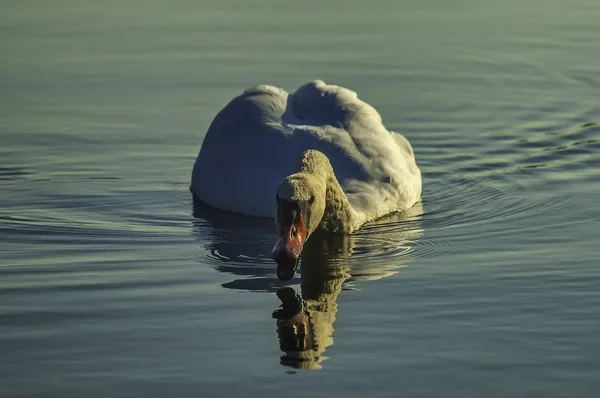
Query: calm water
[{"x": 109, "y": 286}]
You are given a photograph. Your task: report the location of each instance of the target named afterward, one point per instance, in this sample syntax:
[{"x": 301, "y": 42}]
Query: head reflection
[{"x": 305, "y": 321}]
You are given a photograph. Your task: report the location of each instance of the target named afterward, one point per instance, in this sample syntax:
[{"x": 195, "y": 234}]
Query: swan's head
[{"x": 300, "y": 208}]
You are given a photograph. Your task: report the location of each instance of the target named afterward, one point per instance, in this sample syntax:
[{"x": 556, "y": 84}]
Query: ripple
[
  {"x": 68, "y": 230},
  {"x": 572, "y": 148},
  {"x": 508, "y": 182},
  {"x": 88, "y": 219},
  {"x": 241, "y": 246},
  {"x": 400, "y": 235},
  {"x": 13, "y": 173},
  {"x": 467, "y": 208}
]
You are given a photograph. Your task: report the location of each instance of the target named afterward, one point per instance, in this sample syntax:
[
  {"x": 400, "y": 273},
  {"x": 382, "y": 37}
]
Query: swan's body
[
  {"x": 259, "y": 137},
  {"x": 319, "y": 159}
]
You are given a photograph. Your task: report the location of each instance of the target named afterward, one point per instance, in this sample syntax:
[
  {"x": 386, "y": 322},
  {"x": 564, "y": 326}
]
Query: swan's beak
[{"x": 288, "y": 248}]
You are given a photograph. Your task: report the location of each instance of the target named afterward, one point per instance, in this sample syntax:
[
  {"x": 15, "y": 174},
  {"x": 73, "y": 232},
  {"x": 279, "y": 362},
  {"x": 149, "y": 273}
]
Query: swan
[{"x": 318, "y": 160}]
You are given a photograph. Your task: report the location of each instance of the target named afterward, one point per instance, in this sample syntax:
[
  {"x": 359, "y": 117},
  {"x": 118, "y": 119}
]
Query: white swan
[{"x": 318, "y": 159}]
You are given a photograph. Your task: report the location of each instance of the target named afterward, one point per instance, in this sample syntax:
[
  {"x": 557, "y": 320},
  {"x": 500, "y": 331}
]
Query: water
[{"x": 110, "y": 287}]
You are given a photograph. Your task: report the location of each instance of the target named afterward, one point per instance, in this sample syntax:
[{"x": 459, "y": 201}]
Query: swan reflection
[{"x": 305, "y": 320}]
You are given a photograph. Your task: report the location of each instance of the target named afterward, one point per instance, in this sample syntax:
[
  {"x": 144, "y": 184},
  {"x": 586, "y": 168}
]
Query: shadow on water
[{"x": 241, "y": 246}]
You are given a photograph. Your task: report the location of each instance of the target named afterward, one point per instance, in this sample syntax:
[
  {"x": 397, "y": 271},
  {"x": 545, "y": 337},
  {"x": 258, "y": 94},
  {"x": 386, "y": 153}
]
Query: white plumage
[{"x": 259, "y": 137}]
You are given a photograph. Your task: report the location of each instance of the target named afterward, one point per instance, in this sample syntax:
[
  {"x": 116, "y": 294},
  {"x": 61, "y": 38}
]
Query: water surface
[{"x": 113, "y": 283}]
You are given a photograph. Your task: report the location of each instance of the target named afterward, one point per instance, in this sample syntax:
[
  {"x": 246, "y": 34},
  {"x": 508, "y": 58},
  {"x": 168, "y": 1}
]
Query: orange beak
[{"x": 287, "y": 250}]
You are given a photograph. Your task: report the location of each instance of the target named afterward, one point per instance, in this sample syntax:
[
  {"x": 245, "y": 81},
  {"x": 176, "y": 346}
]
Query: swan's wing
[
  {"x": 403, "y": 143},
  {"x": 243, "y": 156},
  {"x": 334, "y": 120},
  {"x": 376, "y": 167},
  {"x": 250, "y": 113}
]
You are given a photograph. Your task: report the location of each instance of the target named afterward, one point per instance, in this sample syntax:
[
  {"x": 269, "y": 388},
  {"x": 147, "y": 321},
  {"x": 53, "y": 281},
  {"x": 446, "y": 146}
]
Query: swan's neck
[{"x": 339, "y": 217}]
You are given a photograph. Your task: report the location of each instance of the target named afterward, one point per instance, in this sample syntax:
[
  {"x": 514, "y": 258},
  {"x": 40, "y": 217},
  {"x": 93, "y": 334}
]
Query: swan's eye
[
  {"x": 294, "y": 230},
  {"x": 311, "y": 200}
]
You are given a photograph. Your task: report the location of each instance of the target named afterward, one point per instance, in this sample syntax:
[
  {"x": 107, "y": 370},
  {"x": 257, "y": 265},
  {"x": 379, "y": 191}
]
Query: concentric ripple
[
  {"x": 242, "y": 245},
  {"x": 510, "y": 185},
  {"x": 493, "y": 191}
]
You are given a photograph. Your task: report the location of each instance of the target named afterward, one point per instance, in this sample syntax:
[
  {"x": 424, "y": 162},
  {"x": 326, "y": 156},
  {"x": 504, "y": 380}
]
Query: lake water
[{"x": 110, "y": 287}]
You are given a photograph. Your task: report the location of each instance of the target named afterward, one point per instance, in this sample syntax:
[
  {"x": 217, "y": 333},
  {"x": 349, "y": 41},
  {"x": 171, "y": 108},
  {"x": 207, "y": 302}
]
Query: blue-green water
[{"x": 110, "y": 287}]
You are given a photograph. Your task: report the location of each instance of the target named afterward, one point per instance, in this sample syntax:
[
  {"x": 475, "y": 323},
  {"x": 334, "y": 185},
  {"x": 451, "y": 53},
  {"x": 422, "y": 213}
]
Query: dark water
[{"x": 110, "y": 287}]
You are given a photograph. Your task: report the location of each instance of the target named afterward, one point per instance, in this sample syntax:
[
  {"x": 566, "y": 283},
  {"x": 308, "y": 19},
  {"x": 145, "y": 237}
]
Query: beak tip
[
  {"x": 286, "y": 269},
  {"x": 279, "y": 256}
]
